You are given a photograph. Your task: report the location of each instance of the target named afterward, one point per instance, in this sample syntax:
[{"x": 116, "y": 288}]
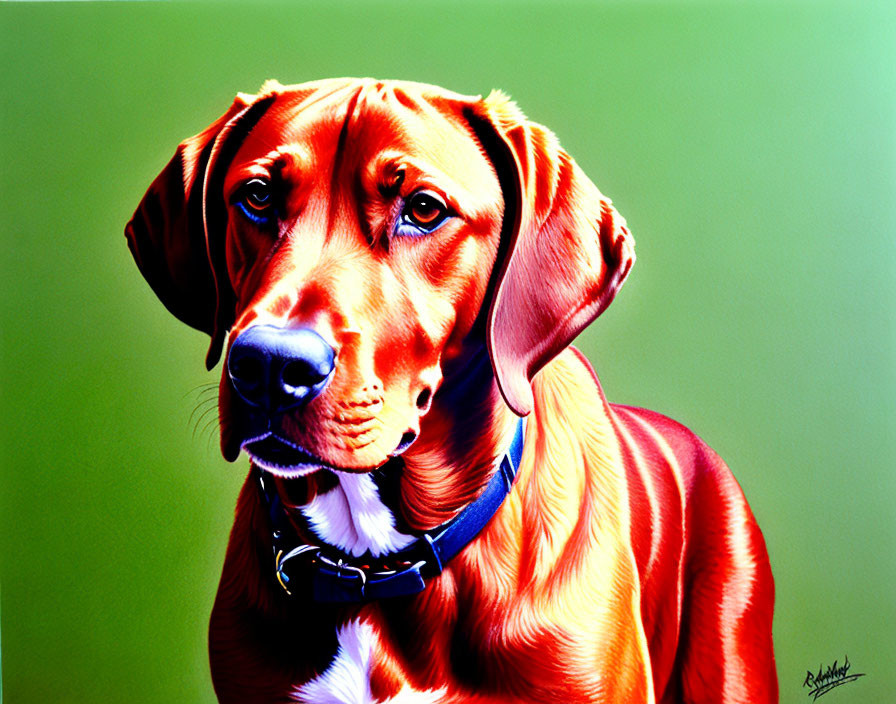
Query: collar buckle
[{"x": 280, "y": 560}]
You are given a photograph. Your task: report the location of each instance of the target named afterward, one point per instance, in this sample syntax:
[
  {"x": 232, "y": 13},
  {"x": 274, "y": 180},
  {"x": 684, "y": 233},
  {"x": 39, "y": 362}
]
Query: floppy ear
[
  {"x": 567, "y": 249},
  {"x": 176, "y": 234}
]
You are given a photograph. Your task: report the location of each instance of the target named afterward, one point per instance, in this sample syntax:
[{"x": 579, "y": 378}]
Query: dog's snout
[{"x": 279, "y": 368}]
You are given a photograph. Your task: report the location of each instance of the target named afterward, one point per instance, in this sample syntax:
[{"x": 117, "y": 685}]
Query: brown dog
[{"x": 401, "y": 270}]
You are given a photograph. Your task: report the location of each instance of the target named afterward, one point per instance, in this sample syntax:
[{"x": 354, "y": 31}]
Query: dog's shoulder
[
  {"x": 656, "y": 452},
  {"x": 675, "y": 473},
  {"x": 669, "y": 446}
]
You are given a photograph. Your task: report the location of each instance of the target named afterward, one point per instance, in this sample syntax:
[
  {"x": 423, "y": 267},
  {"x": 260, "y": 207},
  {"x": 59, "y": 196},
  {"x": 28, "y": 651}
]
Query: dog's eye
[
  {"x": 423, "y": 212},
  {"x": 256, "y": 200}
]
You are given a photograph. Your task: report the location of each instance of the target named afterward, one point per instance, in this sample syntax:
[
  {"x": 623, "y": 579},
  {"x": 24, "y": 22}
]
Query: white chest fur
[
  {"x": 353, "y": 518},
  {"x": 347, "y": 679}
]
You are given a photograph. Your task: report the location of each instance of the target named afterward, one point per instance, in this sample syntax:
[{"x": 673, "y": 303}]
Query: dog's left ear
[
  {"x": 566, "y": 249},
  {"x": 176, "y": 234}
]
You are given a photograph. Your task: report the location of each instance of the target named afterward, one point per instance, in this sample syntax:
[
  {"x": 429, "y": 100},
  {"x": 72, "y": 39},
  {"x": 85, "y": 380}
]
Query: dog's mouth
[
  {"x": 281, "y": 457},
  {"x": 287, "y": 460}
]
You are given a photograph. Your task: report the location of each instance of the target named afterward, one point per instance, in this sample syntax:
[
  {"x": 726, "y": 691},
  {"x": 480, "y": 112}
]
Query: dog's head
[{"x": 357, "y": 238}]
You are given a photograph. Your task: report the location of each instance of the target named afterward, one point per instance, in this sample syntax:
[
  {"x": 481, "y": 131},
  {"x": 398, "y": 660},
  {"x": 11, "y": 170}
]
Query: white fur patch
[
  {"x": 347, "y": 679},
  {"x": 353, "y": 518}
]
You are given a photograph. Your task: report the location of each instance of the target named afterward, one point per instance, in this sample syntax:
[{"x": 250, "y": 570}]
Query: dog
[{"x": 442, "y": 505}]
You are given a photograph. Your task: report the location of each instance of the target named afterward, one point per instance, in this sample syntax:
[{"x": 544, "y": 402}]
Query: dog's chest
[
  {"x": 353, "y": 518},
  {"x": 347, "y": 679}
]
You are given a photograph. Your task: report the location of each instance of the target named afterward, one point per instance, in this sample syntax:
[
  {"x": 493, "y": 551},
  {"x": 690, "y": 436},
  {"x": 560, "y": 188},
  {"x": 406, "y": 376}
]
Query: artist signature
[{"x": 825, "y": 680}]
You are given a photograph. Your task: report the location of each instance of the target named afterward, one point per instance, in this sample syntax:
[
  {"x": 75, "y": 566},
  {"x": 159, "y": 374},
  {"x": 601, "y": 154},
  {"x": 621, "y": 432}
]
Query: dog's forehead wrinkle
[
  {"x": 418, "y": 129},
  {"x": 290, "y": 161},
  {"x": 314, "y": 98}
]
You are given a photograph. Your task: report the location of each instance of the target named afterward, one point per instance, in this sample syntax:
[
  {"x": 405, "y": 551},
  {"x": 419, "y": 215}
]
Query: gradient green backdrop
[{"x": 752, "y": 148}]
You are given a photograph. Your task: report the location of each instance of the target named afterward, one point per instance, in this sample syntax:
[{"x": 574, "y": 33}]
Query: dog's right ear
[{"x": 168, "y": 236}]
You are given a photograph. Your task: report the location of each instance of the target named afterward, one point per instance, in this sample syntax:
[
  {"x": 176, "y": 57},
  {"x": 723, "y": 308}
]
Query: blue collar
[{"x": 339, "y": 578}]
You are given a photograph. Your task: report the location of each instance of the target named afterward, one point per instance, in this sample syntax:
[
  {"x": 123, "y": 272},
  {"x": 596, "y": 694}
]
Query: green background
[{"x": 752, "y": 148}]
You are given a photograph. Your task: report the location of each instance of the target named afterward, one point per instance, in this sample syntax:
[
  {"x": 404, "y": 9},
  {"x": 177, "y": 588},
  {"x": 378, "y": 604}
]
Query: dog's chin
[{"x": 285, "y": 459}]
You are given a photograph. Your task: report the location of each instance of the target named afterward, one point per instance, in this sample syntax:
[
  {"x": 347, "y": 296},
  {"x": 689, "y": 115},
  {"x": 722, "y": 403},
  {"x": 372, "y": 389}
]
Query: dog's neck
[{"x": 468, "y": 428}]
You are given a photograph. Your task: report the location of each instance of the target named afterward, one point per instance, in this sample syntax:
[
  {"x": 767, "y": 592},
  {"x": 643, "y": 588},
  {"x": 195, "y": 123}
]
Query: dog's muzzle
[{"x": 278, "y": 369}]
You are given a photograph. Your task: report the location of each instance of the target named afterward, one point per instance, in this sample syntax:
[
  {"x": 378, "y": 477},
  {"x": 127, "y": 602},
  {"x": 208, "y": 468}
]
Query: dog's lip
[
  {"x": 288, "y": 460},
  {"x": 283, "y": 458}
]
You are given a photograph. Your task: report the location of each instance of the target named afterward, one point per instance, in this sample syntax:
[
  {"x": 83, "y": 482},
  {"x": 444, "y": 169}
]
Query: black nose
[{"x": 279, "y": 368}]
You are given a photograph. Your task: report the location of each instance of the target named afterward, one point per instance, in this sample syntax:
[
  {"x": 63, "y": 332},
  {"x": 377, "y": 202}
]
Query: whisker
[
  {"x": 210, "y": 428},
  {"x": 202, "y": 417},
  {"x": 204, "y": 406},
  {"x": 200, "y": 389}
]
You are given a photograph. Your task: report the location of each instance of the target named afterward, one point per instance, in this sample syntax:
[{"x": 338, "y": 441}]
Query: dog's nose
[{"x": 279, "y": 368}]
